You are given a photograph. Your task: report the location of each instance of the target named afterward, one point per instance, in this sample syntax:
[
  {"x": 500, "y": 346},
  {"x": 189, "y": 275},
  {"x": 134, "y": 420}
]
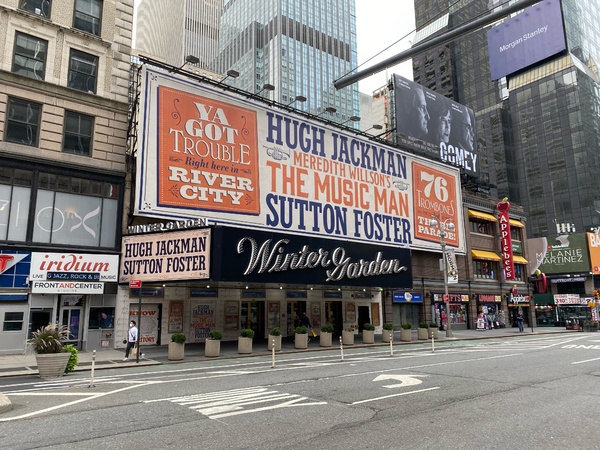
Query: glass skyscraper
[
  {"x": 296, "y": 48},
  {"x": 539, "y": 128}
]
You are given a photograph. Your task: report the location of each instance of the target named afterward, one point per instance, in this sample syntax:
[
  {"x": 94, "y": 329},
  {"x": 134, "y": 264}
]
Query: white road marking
[
  {"x": 393, "y": 395},
  {"x": 405, "y": 380},
  {"x": 586, "y": 361}
]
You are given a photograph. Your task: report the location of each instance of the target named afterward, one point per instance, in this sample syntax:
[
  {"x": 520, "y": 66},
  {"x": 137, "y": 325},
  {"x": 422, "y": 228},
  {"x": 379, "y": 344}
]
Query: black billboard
[
  {"x": 249, "y": 256},
  {"x": 435, "y": 126}
]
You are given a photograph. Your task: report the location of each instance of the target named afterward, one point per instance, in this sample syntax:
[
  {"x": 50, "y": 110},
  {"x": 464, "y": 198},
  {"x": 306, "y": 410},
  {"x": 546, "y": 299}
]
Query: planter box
[
  {"x": 175, "y": 351},
  {"x": 387, "y": 335},
  {"x": 212, "y": 348},
  {"x": 52, "y": 365},
  {"x": 435, "y": 332},
  {"x": 301, "y": 340},
  {"x": 368, "y": 336},
  {"x": 277, "y": 345},
  {"x": 244, "y": 345},
  {"x": 347, "y": 337},
  {"x": 405, "y": 335},
  {"x": 423, "y": 333},
  {"x": 325, "y": 339}
]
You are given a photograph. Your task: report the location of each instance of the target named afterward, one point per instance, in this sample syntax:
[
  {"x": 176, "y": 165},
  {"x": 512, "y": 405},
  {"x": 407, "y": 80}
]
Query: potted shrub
[
  {"x": 387, "y": 334},
  {"x": 47, "y": 344},
  {"x": 326, "y": 335},
  {"x": 368, "y": 333},
  {"x": 348, "y": 336},
  {"x": 245, "y": 341},
  {"x": 176, "y": 347},
  {"x": 423, "y": 331},
  {"x": 275, "y": 339},
  {"x": 301, "y": 337},
  {"x": 406, "y": 332},
  {"x": 212, "y": 345},
  {"x": 434, "y": 330},
  {"x": 73, "y": 358}
]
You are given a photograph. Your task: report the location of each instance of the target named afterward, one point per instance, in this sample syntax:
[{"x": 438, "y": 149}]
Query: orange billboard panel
[
  {"x": 207, "y": 154},
  {"x": 594, "y": 247},
  {"x": 435, "y": 197}
]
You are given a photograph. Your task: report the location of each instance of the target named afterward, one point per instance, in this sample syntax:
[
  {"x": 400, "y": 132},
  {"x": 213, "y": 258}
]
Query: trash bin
[{"x": 572, "y": 323}]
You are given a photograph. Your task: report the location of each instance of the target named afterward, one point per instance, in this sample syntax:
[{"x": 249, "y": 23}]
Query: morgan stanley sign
[{"x": 531, "y": 36}]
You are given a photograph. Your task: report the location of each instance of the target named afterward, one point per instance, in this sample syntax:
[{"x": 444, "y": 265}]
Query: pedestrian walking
[
  {"x": 306, "y": 323},
  {"x": 132, "y": 337},
  {"x": 520, "y": 319}
]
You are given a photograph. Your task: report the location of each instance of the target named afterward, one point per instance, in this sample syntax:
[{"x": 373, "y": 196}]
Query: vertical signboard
[{"x": 508, "y": 263}]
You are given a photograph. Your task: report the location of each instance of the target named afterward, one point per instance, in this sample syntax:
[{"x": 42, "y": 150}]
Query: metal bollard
[
  {"x": 341, "y": 348},
  {"x": 392, "y": 346},
  {"x": 93, "y": 366},
  {"x": 273, "y": 354},
  {"x": 432, "y": 343}
]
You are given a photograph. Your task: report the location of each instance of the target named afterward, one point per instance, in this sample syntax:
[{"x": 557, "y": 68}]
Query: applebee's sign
[{"x": 505, "y": 239}]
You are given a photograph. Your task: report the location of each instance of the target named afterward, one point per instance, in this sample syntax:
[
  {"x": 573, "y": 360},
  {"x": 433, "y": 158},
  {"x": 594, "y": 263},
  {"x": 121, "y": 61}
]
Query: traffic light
[{"x": 596, "y": 295}]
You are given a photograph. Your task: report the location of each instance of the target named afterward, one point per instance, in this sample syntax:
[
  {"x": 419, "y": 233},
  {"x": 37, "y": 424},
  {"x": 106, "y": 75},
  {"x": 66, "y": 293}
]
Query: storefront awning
[
  {"x": 481, "y": 215},
  {"x": 516, "y": 223},
  {"x": 482, "y": 254},
  {"x": 519, "y": 259}
]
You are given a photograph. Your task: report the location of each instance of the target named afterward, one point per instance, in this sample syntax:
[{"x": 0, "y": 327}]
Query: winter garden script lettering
[{"x": 274, "y": 259}]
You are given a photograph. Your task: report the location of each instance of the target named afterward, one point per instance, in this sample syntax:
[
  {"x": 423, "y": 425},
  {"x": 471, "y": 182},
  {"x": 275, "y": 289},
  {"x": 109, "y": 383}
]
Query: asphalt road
[{"x": 535, "y": 392}]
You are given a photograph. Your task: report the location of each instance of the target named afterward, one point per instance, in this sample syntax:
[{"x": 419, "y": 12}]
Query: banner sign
[
  {"x": 66, "y": 287},
  {"x": 181, "y": 255},
  {"x": 453, "y": 298},
  {"x": 451, "y": 267},
  {"x": 594, "y": 249},
  {"x": 408, "y": 297},
  {"x": 14, "y": 269},
  {"x": 249, "y": 256},
  {"x": 569, "y": 299},
  {"x": 522, "y": 40},
  {"x": 508, "y": 263},
  {"x": 71, "y": 266},
  {"x": 205, "y": 153}
]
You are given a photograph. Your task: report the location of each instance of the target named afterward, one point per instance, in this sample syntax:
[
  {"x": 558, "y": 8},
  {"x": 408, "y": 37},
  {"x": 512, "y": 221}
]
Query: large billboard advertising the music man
[{"x": 205, "y": 152}]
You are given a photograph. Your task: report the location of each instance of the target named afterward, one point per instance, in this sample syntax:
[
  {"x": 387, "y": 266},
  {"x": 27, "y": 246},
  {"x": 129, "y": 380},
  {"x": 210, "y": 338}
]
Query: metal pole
[
  {"x": 445, "y": 269},
  {"x": 92, "y": 374},
  {"x": 273, "y": 354},
  {"x": 391, "y": 345},
  {"x": 139, "y": 325},
  {"x": 432, "y": 343},
  {"x": 341, "y": 348}
]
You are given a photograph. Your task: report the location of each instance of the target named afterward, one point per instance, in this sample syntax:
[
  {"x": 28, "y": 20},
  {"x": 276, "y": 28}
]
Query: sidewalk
[{"x": 16, "y": 365}]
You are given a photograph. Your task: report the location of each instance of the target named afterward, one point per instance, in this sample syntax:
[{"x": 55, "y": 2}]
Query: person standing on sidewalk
[
  {"x": 306, "y": 323},
  {"x": 132, "y": 337},
  {"x": 520, "y": 319}
]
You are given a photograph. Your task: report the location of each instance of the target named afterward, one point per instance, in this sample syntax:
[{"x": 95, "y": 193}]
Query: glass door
[
  {"x": 251, "y": 316},
  {"x": 71, "y": 317}
]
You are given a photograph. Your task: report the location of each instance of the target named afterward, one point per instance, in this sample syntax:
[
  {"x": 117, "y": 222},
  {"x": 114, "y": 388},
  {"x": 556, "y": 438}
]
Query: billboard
[
  {"x": 227, "y": 158},
  {"x": 435, "y": 126},
  {"x": 593, "y": 240},
  {"x": 531, "y": 36},
  {"x": 569, "y": 253}
]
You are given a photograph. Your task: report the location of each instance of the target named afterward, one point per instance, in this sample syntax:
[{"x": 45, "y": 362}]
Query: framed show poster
[
  {"x": 375, "y": 314},
  {"x": 350, "y": 312},
  {"x": 273, "y": 318},
  {"x": 315, "y": 314},
  {"x": 176, "y": 316},
  {"x": 232, "y": 315}
]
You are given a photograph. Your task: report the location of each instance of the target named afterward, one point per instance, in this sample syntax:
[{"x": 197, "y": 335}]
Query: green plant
[
  {"x": 178, "y": 337},
  {"x": 433, "y": 325},
  {"x": 406, "y": 326},
  {"x": 247, "y": 332},
  {"x": 388, "y": 326},
  {"x": 216, "y": 335},
  {"x": 423, "y": 325},
  {"x": 301, "y": 329},
  {"x": 73, "y": 359},
  {"x": 276, "y": 331},
  {"x": 49, "y": 339},
  {"x": 369, "y": 327},
  {"x": 327, "y": 328}
]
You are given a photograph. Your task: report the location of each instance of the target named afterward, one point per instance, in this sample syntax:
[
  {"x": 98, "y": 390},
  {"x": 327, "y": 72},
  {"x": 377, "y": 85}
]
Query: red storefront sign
[{"x": 506, "y": 240}]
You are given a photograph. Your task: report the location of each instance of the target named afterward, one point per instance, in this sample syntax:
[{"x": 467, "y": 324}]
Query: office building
[{"x": 537, "y": 126}]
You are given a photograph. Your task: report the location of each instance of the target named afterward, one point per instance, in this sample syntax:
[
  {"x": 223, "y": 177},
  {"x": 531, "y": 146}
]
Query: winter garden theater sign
[{"x": 254, "y": 256}]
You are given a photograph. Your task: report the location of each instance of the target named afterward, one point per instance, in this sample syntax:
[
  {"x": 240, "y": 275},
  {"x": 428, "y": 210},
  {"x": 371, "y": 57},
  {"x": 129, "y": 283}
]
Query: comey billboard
[
  {"x": 531, "y": 36},
  {"x": 221, "y": 156},
  {"x": 436, "y": 126}
]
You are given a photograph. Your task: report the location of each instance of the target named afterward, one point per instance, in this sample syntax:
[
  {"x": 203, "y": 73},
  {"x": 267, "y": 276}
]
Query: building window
[
  {"x": 22, "y": 122},
  {"x": 88, "y": 14},
  {"x": 519, "y": 272},
  {"x": 516, "y": 234},
  {"x": 484, "y": 269},
  {"x": 39, "y": 7},
  {"x": 78, "y": 133},
  {"x": 481, "y": 227},
  {"x": 30, "y": 56},
  {"x": 83, "y": 69},
  {"x": 13, "y": 321}
]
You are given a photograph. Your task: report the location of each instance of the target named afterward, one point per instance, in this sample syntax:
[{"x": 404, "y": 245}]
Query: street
[{"x": 537, "y": 392}]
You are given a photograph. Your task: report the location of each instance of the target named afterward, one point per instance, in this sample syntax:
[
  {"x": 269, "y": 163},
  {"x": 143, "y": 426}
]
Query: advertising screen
[
  {"x": 531, "y": 36},
  {"x": 206, "y": 152},
  {"x": 435, "y": 126}
]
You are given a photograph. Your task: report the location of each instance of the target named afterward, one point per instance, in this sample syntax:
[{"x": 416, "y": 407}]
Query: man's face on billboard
[{"x": 422, "y": 113}]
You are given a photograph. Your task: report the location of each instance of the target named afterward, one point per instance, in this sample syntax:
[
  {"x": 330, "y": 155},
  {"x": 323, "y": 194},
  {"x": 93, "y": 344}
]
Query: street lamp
[{"x": 443, "y": 226}]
